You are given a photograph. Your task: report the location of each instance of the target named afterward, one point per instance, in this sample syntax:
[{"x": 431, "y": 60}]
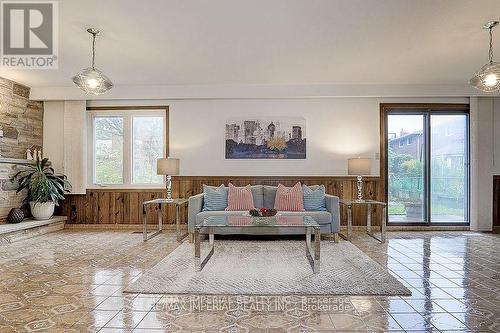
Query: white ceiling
[{"x": 241, "y": 42}]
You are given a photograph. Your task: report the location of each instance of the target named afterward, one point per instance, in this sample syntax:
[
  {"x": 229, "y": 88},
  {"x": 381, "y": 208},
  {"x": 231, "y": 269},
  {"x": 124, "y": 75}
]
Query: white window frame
[{"x": 128, "y": 115}]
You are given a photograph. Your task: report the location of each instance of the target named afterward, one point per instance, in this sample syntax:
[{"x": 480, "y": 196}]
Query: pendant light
[
  {"x": 90, "y": 79},
  {"x": 488, "y": 77}
]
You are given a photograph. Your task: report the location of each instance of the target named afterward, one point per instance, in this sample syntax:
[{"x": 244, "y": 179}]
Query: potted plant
[
  {"x": 43, "y": 188},
  {"x": 414, "y": 209}
]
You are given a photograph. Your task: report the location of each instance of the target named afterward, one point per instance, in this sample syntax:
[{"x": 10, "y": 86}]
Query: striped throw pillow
[
  {"x": 215, "y": 198},
  {"x": 289, "y": 198},
  {"x": 240, "y": 198},
  {"x": 314, "y": 199}
]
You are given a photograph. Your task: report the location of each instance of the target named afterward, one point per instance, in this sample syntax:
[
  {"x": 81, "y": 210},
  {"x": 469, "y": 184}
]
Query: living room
[{"x": 250, "y": 166}]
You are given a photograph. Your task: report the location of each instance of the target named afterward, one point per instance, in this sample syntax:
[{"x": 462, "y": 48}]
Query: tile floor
[{"x": 72, "y": 281}]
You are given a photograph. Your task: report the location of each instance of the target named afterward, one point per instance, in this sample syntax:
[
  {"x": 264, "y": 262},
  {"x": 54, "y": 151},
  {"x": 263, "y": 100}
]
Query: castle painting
[{"x": 266, "y": 138}]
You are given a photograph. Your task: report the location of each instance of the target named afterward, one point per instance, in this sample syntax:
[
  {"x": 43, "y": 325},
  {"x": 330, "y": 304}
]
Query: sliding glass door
[
  {"x": 449, "y": 168},
  {"x": 406, "y": 172},
  {"x": 427, "y": 166}
]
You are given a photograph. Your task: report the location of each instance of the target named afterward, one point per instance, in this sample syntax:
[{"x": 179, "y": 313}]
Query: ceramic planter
[{"x": 42, "y": 210}]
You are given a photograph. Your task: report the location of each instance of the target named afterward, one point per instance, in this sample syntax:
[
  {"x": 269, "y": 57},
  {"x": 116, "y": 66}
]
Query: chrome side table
[
  {"x": 351, "y": 202},
  {"x": 177, "y": 202}
]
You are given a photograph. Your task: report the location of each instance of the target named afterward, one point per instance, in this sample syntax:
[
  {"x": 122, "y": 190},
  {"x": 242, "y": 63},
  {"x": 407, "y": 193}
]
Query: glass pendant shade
[
  {"x": 92, "y": 81},
  {"x": 487, "y": 78}
]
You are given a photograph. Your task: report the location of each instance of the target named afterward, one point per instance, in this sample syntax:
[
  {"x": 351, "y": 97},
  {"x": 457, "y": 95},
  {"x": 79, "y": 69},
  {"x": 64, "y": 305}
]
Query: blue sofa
[{"x": 263, "y": 197}]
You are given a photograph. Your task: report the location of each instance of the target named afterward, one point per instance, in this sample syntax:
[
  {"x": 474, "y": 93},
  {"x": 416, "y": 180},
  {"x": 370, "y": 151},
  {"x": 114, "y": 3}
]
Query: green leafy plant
[{"x": 41, "y": 184}]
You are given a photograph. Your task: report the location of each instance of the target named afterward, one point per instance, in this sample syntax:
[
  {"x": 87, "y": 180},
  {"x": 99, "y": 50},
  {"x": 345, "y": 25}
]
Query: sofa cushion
[
  {"x": 289, "y": 198},
  {"x": 258, "y": 196},
  {"x": 269, "y": 194},
  {"x": 240, "y": 198},
  {"x": 215, "y": 198},
  {"x": 314, "y": 199}
]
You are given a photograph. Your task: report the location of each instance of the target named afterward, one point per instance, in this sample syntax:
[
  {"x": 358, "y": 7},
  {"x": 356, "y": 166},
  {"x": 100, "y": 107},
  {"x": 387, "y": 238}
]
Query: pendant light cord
[
  {"x": 490, "y": 53},
  {"x": 93, "y": 49}
]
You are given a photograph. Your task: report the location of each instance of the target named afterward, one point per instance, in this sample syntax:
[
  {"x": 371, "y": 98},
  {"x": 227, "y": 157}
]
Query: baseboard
[
  {"x": 411, "y": 228},
  {"x": 104, "y": 226}
]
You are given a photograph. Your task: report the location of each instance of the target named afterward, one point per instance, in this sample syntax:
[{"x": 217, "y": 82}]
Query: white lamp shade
[
  {"x": 167, "y": 166},
  {"x": 359, "y": 166}
]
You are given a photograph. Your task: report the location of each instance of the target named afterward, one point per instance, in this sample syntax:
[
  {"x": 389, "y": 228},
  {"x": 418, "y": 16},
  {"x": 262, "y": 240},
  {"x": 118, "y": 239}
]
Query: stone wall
[{"x": 21, "y": 121}]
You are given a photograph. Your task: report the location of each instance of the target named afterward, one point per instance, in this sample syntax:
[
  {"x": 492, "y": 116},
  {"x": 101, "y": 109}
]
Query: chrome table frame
[
  {"x": 312, "y": 253},
  {"x": 177, "y": 202},
  {"x": 368, "y": 203}
]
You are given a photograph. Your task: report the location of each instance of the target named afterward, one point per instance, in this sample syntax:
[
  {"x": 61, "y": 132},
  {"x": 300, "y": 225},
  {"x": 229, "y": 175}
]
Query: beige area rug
[{"x": 269, "y": 268}]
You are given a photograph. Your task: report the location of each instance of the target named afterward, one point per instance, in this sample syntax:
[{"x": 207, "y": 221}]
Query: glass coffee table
[{"x": 214, "y": 224}]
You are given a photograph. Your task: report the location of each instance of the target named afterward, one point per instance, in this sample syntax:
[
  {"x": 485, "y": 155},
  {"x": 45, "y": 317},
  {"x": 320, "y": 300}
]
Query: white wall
[
  {"x": 53, "y": 132},
  {"x": 65, "y": 140},
  {"x": 336, "y": 129},
  {"x": 481, "y": 161},
  {"x": 197, "y": 135}
]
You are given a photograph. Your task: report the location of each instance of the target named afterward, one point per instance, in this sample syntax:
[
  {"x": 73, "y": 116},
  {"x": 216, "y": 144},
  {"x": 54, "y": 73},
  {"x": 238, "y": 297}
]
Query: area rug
[{"x": 269, "y": 268}]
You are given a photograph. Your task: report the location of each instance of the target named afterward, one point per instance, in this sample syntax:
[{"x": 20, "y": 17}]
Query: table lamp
[
  {"x": 359, "y": 167},
  {"x": 169, "y": 167}
]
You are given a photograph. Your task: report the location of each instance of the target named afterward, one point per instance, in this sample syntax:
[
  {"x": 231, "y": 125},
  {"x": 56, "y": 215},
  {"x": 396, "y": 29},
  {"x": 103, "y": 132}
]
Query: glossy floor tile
[{"x": 72, "y": 281}]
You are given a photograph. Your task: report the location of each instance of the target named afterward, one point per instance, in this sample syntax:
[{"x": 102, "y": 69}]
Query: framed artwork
[{"x": 266, "y": 138}]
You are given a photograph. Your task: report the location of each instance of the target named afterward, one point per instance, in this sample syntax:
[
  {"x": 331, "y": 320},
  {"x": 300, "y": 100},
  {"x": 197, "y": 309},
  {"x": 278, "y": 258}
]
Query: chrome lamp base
[
  {"x": 169, "y": 189},
  {"x": 360, "y": 188}
]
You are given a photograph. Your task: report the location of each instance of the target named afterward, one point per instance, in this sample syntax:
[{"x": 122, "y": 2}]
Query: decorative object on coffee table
[
  {"x": 368, "y": 203},
  {"x": 359, "y": 167},
  {"x": 264, "y": 212},
  {"x": 169, "y": 167},
  {"x": 16, "y": 215}
]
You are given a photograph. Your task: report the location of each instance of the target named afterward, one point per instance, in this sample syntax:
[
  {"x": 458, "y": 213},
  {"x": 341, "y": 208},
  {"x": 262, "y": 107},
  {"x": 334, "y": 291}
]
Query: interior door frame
[{"x": 426, "y": 109}]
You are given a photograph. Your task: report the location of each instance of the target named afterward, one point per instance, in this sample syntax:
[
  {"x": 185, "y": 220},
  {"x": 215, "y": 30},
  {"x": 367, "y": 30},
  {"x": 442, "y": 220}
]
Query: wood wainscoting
[
  {"x": 496, "y": 203},
  {"x": 123, "y": 206}
]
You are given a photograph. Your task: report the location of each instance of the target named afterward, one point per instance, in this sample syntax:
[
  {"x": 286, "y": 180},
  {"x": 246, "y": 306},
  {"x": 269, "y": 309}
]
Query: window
[
  {"x": 126, "y": 144},
  {"x": 147, "y": 147},
  {"x": 108, "y": 150},
  {"x": 429, "y": 184}
]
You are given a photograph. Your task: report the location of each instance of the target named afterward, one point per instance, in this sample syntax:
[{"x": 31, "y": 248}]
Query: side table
[
  {"x": 351, "y": 202},
  {"x": 177, "y": 202}
]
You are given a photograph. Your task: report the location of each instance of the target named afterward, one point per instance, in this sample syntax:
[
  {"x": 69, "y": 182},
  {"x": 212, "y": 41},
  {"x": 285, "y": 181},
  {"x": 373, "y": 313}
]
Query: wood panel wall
[
  {"x": 117, "y": 206},
  {"x": 496, "y": 201}
]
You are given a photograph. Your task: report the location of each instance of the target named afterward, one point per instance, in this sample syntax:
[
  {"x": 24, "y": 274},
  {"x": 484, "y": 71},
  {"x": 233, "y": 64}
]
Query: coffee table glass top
[{"x": 251, "y": 221}]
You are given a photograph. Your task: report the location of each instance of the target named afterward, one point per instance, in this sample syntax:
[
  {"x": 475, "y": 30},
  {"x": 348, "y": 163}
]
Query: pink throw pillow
[
  {"x": 240, "y": 198},
  {"x": 289, "y": 198}
]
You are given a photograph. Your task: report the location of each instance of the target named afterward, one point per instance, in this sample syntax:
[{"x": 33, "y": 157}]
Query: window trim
[{"x": 128, "y": 112}]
